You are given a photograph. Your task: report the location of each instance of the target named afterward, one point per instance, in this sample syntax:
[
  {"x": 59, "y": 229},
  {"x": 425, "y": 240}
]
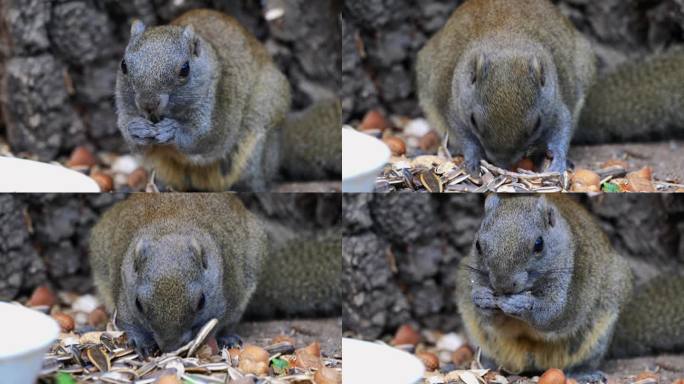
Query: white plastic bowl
[
  {"x": 25, "y": 336},
  {"x": 363, "y": 157},
  {"x": 366, "y": 362},
  {"x": 26, "y": 176}
]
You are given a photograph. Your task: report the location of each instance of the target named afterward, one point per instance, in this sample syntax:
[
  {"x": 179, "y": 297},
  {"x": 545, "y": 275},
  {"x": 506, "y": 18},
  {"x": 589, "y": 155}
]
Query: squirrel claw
[
  {"x": 516, "y": 305},
  {"x": 483, "y": 298},
  {"x": 229, "y": 340}
]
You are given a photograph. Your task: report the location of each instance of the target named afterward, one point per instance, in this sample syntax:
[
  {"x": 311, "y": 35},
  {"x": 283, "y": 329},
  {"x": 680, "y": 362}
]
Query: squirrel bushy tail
[
  {"x": 637, "y": 102},
  {"x": 653, "y": 319},
  {"x": 312, "y": 142},
  {"x": 301, "y": 275}
]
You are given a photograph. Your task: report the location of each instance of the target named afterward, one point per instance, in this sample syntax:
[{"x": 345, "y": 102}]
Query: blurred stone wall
[
  {"x": 382, "y": 37},
  {"x": 60, "y": 58},
  {"x": 400, "y": 252}
]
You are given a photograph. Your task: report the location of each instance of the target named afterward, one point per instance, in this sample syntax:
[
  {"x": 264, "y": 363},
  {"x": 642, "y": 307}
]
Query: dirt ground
[
  {"x": 666, "y": 158},
  {"x": 669, "y": 368},
  {"x": 328, "y": 332}
]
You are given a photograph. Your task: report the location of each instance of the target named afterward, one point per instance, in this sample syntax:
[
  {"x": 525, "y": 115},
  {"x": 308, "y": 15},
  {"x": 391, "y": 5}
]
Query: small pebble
[
  {"x": 374, "y": 120},
  {"x": 450, "y": 342},
  {"x": 103, "y": 180},
  {"x": 125, "y": 164},
  {"x": 253, "y": 359},
  {"x": 86, "y": 303},
  {"x": 98, "y": 318},
  {"x": 396, "y": 145},
  {"x": 418, "y": 128}
]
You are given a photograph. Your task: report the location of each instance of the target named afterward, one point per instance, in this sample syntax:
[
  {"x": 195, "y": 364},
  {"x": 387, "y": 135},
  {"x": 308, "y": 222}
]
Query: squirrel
[
  {"x": 204, "y": 103},
  {"x": 166, "y": 264},
  {"x": 550, "y": 291},
  {"x": 507, "y": 79}
]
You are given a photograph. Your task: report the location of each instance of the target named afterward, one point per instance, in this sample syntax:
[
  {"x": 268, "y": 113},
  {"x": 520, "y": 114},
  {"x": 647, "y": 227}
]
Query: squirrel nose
[{"x": 509, "y": 284}]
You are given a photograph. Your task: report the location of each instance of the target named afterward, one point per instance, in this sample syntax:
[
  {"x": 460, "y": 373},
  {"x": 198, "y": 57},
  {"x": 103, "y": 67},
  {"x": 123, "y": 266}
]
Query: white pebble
[
  {"x": 450, "y": 342},
  {"x": 125, "y": 164},
  {"x": 86, "y": 303},
  {"x": 417, "y": 128}
]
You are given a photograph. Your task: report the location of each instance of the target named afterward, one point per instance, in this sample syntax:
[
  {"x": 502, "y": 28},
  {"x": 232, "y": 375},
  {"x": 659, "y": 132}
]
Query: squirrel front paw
[
  {"x": 559, "y": 164},
  {"x": 472, "y": 164},
  {"x": 142, "y": 343},
  {"x": 141, "y": 131},
  {"x": 516, "y": 305},
  {"x": 483, "y": 298},
  {"x": 166, "y": 131},
  {"x": 229, "y": 340}
]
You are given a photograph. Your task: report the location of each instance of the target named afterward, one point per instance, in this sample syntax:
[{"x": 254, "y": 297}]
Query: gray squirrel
[
  {"x": 543, "y": 288},
  {"x": 505, "y": 79},
  {"x": 203, "y": 101},
  {"x": 168, "y": 263}
]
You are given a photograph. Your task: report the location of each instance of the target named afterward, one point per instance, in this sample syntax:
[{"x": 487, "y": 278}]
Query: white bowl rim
[
  {"x": 42, "y": 332},
  {"x": 379, "y": 155},
  {"x": 412, "y": 366}
]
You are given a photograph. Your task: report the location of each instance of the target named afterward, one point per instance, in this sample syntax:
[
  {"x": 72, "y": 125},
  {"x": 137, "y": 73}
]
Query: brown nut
[
  {"x": 374, "y": 120},
  {"x": 430, "y": 360},
  {"x": 309, "y": 357},
  {"x": 254, "y": 359},
  {"x": 168, "y": 379},
  {"x": 396, "y": 145},
  {"x": 42, "y": 296},
  {"x": 98, "y": 318},
  {"x": 552, "y": 376},
  {"x": 406, "y": 335},
  {"x": 103, "y": 180},
  {"x": 138, "y": 179},
  {"x": 584, "y": 179},
  {"x": 327, "y": 375},
  {"x": 81, "y": 157},
  {"x": 462, "y": 355},
  {"x": 65, "y": 321},
  {"x": 430, "y": 142}
]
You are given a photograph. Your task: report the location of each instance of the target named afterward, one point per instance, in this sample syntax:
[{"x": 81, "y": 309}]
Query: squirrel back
[{"x": 639, "y": 101}]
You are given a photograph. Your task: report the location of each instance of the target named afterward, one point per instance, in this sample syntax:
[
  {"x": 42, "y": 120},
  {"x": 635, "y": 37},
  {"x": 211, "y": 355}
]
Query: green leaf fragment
[
  {"x": 64, "y": 378},
  {"x": 610, "y": 187},
  {"x": 280, "y": 366}
]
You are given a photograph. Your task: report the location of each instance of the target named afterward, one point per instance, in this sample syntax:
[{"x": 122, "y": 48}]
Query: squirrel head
[
  {"x": 502, "y": 97},
  {"x": 523, "y": 245},
  {"x": 165, "y": 69},
  {"x": 172, "y": 286}
]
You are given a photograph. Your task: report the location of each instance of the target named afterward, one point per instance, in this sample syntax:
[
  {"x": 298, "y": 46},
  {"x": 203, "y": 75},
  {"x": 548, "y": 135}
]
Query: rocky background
[
  {"x": 400, "y": 252},
  {"x": 44, "y": 238},
  {"x": 58, "y": 62},
  {"x": 382, "y": 37}
]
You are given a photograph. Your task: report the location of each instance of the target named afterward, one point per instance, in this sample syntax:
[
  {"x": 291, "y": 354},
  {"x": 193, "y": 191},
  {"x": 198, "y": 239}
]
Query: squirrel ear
[
  {"x": 139, "y": 254},
  {"x": 198, "y": 252},
  {"x": 191, "y": 37},
  {"x": 491, "y": 202},
  {"x": 537, "y": 70},
  {"x": 547, "y": 211},
  {"x": 137, "y": 28},
  {"x": 480, "y": 66}
]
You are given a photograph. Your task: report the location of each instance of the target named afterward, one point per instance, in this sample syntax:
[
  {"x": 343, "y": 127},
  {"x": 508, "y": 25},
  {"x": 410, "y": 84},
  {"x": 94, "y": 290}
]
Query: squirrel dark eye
[
  {"x": 539, "y": 245},
  {"x": 138, "y": 305},
  {"x": 185, "y": 70},
  {"x": 477, "y": 246},
  {"x": 124, "y": 67},
  {"x": 200, "y": 303}
]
